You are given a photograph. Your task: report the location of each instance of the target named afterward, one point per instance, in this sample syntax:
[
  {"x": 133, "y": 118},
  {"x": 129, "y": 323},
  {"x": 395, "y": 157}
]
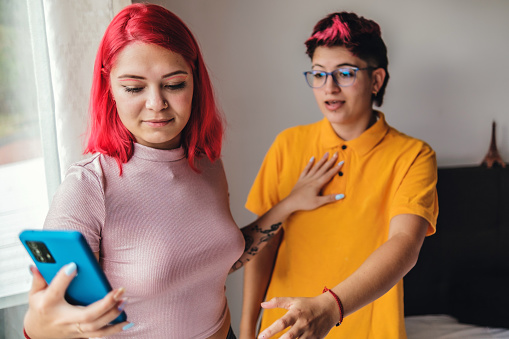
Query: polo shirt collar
[{"x": 362, "y": 144}]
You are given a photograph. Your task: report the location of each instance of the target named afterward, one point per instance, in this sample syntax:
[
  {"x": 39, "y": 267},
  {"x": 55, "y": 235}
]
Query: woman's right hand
[
  {"x": 306, "y": 194},
  {"x": 49, "y": 315}
]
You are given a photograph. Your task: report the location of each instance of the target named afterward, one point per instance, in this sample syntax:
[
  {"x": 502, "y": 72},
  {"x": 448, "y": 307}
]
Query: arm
[
  {"x": 305, "y": 196},
  {"x": 49, "y": 315},
  {"x": 256, "y": 280},
  {"x": 378, "y": 274}
]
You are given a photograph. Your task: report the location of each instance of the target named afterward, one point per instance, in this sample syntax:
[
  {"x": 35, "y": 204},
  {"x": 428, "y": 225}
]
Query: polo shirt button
[
  {"x": 340, "y": 173},
  {"x": 343, "y": 147}
]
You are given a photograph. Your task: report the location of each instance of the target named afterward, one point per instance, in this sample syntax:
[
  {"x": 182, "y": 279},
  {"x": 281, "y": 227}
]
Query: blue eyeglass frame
[{"x": 327, "y": 74}]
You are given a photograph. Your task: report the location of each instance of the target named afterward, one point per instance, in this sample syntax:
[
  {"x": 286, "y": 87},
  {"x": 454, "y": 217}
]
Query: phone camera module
[{"x": 40, "y": 251}]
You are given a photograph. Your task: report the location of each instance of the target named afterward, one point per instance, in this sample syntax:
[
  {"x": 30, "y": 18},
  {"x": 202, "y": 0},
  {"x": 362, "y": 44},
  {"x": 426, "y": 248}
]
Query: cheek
[
  {"x": 360, "y": 92},
  {"x": 183, "y": 103},
  {"x": 318, "y": 95},
  {"x": 128, "y": 114},
  {"x": 124, "y": 118}
]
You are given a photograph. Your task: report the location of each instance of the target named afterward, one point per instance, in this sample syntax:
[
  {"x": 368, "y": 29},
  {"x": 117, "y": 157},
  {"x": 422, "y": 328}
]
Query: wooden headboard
[{"x": 463, "y": 269}]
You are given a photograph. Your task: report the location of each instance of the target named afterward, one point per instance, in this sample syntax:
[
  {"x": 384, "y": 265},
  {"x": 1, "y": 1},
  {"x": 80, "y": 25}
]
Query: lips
[
  {"x": 333, "y": 105},
  {"x": 158, "y": 122}
]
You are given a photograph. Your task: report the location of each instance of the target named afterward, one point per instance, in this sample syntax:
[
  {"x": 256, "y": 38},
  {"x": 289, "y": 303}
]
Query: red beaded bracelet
[
  {"x": 338, "y": 301},
  {"x": 25, "y": 334}
]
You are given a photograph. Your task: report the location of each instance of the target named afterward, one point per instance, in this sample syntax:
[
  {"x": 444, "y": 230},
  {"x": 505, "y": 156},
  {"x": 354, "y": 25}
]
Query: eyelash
[{"x": 169, "y": 87}]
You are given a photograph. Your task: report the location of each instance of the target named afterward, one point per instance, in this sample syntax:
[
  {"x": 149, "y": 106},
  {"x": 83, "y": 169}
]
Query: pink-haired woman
[
  {"x": 152, "y": 201},
  {"x": 361, "y": 247}
]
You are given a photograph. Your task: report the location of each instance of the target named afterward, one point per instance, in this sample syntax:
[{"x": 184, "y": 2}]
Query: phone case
[{"x": 51, "y": 249}]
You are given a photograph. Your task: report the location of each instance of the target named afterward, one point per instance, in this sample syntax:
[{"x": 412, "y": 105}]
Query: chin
[{"x": 335, "y": 117}]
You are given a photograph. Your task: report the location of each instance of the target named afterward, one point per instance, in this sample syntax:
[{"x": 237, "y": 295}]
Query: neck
[{"x": 354, "y": 130}]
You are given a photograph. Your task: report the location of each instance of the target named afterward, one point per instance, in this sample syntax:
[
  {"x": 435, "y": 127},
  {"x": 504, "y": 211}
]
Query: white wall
[{"x": 448, "y": 60}]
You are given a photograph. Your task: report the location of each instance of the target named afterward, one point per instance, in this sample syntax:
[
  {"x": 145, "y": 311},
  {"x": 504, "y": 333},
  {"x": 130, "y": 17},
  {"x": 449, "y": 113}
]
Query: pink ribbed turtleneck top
[{"x": 164, "y": 232}]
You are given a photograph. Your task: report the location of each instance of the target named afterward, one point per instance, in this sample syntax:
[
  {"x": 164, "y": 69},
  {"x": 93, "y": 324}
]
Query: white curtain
[
  {"x": 72, "y": 32},
  {"x": 65, "y": 35}
]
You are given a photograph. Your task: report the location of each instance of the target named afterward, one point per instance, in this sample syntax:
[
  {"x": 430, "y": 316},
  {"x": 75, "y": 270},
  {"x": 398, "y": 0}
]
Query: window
[{"x": 23, "y": 197}]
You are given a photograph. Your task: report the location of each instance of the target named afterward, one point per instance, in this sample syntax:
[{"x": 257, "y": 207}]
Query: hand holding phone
[{"x": 87, "y": 284}]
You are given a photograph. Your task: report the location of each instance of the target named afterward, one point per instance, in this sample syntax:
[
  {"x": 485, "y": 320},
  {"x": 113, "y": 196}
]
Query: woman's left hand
[{"x": 307, "y": 317}]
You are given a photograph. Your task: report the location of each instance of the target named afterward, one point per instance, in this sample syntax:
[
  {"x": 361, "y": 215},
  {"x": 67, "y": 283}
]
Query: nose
[
  {"x": 156, "y": 101},
  {"x": 331, "y": 86}
]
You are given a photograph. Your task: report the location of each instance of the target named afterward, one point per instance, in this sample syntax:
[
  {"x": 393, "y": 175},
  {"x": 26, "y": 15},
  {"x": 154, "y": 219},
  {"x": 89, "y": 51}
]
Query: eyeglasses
[{"x": 343, "y": 77}]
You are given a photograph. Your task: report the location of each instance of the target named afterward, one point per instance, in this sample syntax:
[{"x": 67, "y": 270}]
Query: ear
[{"x": 378, "y": 77}]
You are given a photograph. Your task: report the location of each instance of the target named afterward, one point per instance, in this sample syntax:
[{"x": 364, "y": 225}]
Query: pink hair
[
  {"x": 151, "y": 24},
  {"x": 330, "y": 33}
]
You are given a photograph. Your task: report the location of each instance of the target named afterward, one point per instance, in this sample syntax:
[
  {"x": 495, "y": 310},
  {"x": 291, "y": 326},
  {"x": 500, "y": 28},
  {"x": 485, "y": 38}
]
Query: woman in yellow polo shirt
[{"x": 361, "y": 247}]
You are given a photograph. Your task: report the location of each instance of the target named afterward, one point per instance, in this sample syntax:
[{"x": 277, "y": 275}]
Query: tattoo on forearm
[
  {"x": 252, "y": 249},
  {"x": 249, "y": 242},
  {"x": 269, "y": 234},
  {"x": 238, "y": 264}
]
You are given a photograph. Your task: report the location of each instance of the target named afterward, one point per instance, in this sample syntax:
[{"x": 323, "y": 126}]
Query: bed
[{"x": 460, "y": 285}]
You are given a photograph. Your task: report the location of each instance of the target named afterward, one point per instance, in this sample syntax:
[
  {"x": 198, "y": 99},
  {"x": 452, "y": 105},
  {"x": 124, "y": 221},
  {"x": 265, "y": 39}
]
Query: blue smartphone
[{"x": 50, "y": 250}]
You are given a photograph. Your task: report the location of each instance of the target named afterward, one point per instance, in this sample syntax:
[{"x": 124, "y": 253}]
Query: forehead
[
  {"x": 141, "y": 58},
  {"x": 333, "y": 57}
]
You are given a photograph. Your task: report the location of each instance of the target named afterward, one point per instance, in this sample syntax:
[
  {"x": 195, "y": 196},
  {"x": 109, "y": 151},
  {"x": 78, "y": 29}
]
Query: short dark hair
[{"x": 359, "y": 35}]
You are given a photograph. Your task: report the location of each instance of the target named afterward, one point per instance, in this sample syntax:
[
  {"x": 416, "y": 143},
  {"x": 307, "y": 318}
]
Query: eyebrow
[
  {"x": 337, "y": 66},
  {"x": 131, "y": 76}
]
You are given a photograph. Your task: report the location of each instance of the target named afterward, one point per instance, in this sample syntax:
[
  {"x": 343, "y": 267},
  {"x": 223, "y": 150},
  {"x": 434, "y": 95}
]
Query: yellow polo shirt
[{"x": 386, "y": 173}]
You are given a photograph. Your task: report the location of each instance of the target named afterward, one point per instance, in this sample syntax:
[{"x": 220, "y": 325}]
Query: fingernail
[
  {"x": 335, "y": 154},
  {"x": 128, "y": 326},
  {"x": 30, "y": 269},
  {"x": 340, "y": 196},
  {"x": 341, "y": 162},
  {"x": 122, "y": 305},
  {"x": 118, "y": 293},
  {"x": 312, "y": 159},
  {"x": 70, "y": 268}
]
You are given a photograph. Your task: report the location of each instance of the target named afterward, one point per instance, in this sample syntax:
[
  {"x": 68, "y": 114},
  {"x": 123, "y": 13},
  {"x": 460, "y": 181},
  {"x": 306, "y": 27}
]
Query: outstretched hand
[
  {"x": 306, "y": 317},
  {"x": 49, "y": 315},
  {"x": 306, "y": 194}
]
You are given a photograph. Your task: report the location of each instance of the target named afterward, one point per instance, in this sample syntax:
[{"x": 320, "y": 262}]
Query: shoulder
[
  {"x": 209, "y": 168},
  {"x": 398, "y": 140},
  {"x": 100, "y": 164},
  {"x": 205, "y": 164},
  {"x": 299, "y": 131},
  {"x": 297, "y": 137},
  {"x": 414, "y": 159},
  {"x": 92, "y": 170}
]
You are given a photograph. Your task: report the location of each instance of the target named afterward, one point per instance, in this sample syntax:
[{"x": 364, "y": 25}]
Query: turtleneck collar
[{"x": 161, "y": 155}]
